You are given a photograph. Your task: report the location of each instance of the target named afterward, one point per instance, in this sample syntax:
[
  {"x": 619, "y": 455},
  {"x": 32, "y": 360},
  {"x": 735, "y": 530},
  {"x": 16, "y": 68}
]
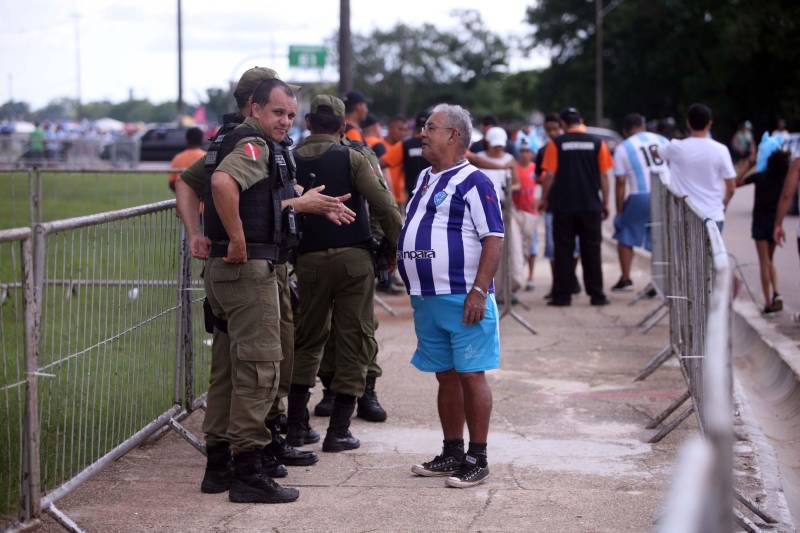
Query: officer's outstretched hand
[
  {"x": 237, "y": 252},
  {"x": 200, "y": 246},
  {"x": 314, "y": 202}
]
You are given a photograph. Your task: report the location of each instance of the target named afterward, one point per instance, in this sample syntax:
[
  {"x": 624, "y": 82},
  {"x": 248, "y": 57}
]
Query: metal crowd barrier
[
  {"x": 691, "y": 268},
  {"x": 112, "y": 349},
  {"x": 71, "y": 152}
]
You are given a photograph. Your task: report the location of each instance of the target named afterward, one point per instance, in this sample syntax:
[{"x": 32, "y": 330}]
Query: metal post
[
  {"x": 31, "y": 478},
  {"x": 180, "y": 61},
  {"x": 598, "y": 62},
  {"x": 34, "y": 197},
  {"x": 185, "y": 323},
  {"x": 345, "y": 49}
]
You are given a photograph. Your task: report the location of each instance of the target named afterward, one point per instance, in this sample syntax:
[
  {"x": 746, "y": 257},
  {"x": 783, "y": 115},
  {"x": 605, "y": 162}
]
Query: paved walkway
[{"x": 567, "y": 447}]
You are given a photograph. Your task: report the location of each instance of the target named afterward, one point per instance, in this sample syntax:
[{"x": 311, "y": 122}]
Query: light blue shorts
[{"x": 444, "y": 342}]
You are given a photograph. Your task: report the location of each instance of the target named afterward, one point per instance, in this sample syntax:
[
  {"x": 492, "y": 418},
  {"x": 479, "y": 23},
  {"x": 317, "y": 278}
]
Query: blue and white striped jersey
[
  {"x": 446, "y": 218},
  {"x": 636, "y": 157}
]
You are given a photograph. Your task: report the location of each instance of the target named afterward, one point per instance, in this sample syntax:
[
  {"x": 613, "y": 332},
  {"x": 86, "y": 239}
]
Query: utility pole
[
  {"x": 180, "y": 62},
  {"x": 77, "y": 18},
  {"x": 345, "y": 49},
  {"x": 598, "y": 62}
]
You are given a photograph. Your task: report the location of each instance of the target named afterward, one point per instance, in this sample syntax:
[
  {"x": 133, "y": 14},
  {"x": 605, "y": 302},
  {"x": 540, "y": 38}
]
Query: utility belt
[{"x": 255, "y": 250}]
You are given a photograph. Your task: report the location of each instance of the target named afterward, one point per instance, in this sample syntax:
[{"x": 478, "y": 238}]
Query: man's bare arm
[
  {"x": 475, "y": 303},
  {"x": 619, "y": 193},
  {"x": 188, "y": 206},
  {"x": 790, "y": 186},
  {"x": 604, "y": 190},
  {"x": 226, "y": 192},
  {"x": 730, "y": 188}
]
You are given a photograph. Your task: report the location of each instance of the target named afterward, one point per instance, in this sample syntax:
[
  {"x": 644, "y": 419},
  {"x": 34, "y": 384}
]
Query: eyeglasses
[{"x": 430, "y": 128}]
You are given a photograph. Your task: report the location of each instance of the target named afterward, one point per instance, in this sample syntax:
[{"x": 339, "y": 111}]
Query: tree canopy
[{"x": 660, "y": 56}]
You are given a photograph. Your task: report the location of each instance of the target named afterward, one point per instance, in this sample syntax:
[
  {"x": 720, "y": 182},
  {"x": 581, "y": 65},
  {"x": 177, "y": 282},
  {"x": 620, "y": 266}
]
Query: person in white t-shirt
[
  {"x": 496, "y": 156},
  {"x": 700, "y": 167}
]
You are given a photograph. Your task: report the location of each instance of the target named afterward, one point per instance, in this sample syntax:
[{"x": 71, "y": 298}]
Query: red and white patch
[{"x": 252, "y": 151}]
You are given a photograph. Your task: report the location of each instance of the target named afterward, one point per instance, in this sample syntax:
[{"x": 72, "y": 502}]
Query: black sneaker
[
  {"x": 600, "y": 301},
  {"x": 441, "y": 465},
  {"x": 472, "y": 473},
  {"x": 623, "y": 285}
]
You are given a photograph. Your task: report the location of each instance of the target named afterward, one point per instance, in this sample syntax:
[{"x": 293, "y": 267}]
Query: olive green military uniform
[
  {"x": 245, "y": 364},
  {"x": 196, "y": 177},
  {"x": 327, "y": 367},
  {"x": 339, "y": 284}
]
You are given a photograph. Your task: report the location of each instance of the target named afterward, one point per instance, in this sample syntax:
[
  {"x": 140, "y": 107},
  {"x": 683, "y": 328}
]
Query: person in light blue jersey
[{"x": 634, "y": 162}]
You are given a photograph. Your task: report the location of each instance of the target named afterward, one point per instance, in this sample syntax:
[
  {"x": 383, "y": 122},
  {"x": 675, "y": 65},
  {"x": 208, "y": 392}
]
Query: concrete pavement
[{"x": 567, "y": 447}]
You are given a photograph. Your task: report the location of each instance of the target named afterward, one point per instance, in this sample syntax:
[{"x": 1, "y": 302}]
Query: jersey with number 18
[{"x": 637, "y": 157}]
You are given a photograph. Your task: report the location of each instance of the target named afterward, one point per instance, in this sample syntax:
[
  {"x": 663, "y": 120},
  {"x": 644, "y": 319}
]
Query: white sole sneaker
[
  {"x": 422, "y": 471},
  {"x": 461, "y": 484}
]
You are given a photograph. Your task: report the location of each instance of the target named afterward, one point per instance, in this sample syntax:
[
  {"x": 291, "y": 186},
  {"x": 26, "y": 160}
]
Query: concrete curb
[{"x": 767, "y": 364}]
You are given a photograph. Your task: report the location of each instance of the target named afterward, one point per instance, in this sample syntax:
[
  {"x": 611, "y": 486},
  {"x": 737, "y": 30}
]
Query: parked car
[
  {"x": 611, "y": 137},
  {"x": 161, "y": 143}
]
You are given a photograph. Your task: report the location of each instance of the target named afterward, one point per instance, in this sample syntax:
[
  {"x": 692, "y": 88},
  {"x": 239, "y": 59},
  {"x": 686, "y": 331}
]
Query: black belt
[{"x": 270, "y": 252}]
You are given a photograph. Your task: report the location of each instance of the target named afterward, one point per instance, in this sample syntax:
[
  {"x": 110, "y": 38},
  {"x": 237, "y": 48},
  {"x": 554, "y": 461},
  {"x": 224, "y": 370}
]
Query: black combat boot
[
  {"x": 218, "y": 469},
  {"x": 270, "y": 465},
  {"x": 251, "y": 485},
  {"x": 325, "y": 405},
  {"x": 285, "y": 454},
  {"x": 339, "y": 438},
  {"x": 296, "y": 414},
  {"x": 368, "y": 407},
  {"x": 310, "y": 435}
]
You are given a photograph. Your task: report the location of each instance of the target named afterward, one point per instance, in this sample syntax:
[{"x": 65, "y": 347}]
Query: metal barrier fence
[
  {"x": 112, "y": 349},
  {"x": 691, "y": 260}
]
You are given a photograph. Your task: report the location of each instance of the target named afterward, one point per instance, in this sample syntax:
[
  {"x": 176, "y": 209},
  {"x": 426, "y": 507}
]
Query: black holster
[{"x": 211, "y": 320}]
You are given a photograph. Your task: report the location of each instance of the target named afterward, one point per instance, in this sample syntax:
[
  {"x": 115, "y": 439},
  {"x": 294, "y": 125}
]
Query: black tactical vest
[
  {"x": 332, "y": 169},
  {"x": 576, "y": 186},
  {"x": 263, "y": 220},
  {"x": 413, "y": 162}
]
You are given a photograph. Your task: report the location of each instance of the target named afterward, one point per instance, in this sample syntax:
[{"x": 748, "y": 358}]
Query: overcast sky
[{"x": 131, "y": 44}]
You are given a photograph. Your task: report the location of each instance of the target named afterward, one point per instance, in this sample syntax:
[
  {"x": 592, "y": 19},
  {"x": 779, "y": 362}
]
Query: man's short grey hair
[{"x": 459, "y": 119}]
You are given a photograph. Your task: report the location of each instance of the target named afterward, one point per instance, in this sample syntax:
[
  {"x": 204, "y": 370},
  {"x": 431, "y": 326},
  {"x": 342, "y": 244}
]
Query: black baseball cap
[
  {"x": 354, "y": 97},
  {"x": 570, "y": 113}
]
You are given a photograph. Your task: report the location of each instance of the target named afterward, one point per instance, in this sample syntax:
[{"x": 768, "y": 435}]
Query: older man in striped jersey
[{"x": 448, "y": 253}]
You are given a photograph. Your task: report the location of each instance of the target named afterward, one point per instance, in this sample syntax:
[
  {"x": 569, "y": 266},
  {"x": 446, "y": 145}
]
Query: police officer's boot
[
  {"x": 217, "y": 477},
  {"x": 283, "y": 452},
  {"x": 298, "y": 430},
  {"x": 325, "y": 405},
  {"x": 339, "y": 438},
  {"x": 251, "y": 485},
  {"x": 270, "y": 465},
  {"x": 368, "y": 407}
]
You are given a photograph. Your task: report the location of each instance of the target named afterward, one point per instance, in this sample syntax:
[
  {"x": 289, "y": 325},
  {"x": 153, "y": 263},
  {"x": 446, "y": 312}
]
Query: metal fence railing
[
  {"x": 691, "y": 269},
  {"x": 101, "y": 354}
]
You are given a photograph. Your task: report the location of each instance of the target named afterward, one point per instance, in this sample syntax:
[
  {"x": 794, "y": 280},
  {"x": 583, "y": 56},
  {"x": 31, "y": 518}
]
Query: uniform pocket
[
  {"x": 222, "y": 272},
  {"x": 357, "y": 270}
]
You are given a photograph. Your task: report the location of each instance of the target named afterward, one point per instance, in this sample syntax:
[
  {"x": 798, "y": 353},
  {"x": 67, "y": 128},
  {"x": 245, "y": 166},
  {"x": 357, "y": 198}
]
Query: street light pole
[
  {"x": 180, "y": 62},
  {"x": 345, "y": 49},
  {"x": 77, "y": 18},
  {"x": 598, "y": 62}
]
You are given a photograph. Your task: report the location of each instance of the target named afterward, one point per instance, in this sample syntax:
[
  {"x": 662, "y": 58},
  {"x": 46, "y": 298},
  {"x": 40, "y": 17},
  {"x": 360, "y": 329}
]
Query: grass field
[
  {"x": 66, "y": 195},
  {"x": 108, "y": 325}
]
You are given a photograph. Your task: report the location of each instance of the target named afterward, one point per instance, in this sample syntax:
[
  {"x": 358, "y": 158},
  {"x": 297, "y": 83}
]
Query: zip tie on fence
[
  {"x": 41, "y": 374},
  {"x": 661, "y": 263},
  {"x": 691, "y": 357},
  {"x": 679, "y": 298}
]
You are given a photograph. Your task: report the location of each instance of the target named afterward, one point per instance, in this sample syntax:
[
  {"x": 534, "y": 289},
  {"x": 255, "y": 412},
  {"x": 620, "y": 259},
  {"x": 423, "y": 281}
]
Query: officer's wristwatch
[{"x": 479, "y": 291}]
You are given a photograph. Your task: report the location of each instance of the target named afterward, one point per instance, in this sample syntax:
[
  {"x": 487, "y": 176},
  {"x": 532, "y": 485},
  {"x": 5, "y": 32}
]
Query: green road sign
[{"x": 307, "y": 56}]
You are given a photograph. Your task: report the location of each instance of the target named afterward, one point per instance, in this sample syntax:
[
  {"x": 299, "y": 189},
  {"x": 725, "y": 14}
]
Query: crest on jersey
[{"x": 439, "y": 198}]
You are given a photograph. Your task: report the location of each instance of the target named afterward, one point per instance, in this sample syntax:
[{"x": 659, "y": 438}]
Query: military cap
[
  {"x": 326, "y": 104},
  {"x": 252, "y": 77}
]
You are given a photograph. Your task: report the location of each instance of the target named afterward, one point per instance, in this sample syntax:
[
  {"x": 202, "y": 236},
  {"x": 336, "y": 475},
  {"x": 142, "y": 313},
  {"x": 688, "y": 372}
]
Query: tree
[
  {"x": 12, "y": 110},
  {"x": 662, "y": 55}
]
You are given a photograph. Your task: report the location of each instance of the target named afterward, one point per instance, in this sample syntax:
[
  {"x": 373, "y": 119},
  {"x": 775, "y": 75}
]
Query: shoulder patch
[{"x": 252, "y": 151}]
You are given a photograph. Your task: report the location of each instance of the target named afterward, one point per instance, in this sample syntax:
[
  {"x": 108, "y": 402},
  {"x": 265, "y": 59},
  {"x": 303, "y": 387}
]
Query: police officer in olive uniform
[
  {"x": 369, "y": 408},
  {"x": 249, "y": 226},
  {"x": 335, "y": 272}
]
